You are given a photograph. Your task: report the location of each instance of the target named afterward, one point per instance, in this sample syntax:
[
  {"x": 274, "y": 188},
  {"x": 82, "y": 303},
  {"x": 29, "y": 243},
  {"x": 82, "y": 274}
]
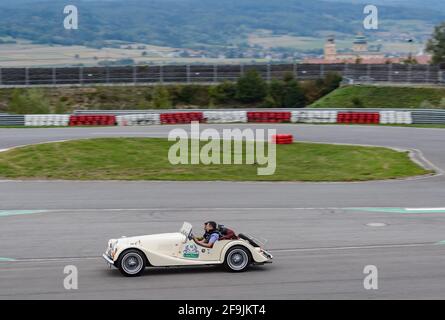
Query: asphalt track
[{"x": 321, "y": 234}]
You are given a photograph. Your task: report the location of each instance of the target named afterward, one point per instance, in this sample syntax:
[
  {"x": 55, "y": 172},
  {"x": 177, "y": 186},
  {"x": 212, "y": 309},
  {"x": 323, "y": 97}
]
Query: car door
[{"x": 193, "y": 251}]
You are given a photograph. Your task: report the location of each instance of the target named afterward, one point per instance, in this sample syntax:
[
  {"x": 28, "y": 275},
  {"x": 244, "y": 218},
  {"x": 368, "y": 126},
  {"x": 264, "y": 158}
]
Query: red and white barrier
[
  {"x": 396, "y": 117},
  {"x": 314, "y": 116},
  {"x": 92, "y": 120},
  {"x": 47, "y": 120},
  {"x": 181, "y": 117},
  {"x": 225, "y": 116},
  {"x": 138, "y": 119},
  {"x": 236, "y": 116},
  {"x": 358, "y": 117},
  {"x": 269, "y": 117}
]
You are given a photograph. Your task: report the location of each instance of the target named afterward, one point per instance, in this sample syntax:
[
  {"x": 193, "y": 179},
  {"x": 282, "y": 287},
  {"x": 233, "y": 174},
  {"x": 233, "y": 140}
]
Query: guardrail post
[
  {"x": 107, "y": 74},
  {"x": 427, "y": 76},
  {"x": 80, "y": 75},
  {"x": 410, "y": 73},
  {"x": 187, "y": 68},
  {"x": 53, "y": 76},
  {"x": 295, "y": 70},
  {"x": 27, "y": 76},
  {"x": 268, "y": 75},
  {"x": 390, "y": 72},
  {"x": 161, "y": 73},
  {"x": 241, "y": 68},
  {"x": 321, "y": 70},
  {"x": 439, "y": 76},
  {"x": 135, "y": 75},
  {"x": 368, "y": 71},
  {"x": 215, "y": 73}
]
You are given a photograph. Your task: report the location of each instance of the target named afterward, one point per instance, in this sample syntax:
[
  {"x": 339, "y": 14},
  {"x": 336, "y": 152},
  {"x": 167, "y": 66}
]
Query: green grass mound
[
  {"x": 147, "y": 159},
  {"x": 383, "y": 97}
]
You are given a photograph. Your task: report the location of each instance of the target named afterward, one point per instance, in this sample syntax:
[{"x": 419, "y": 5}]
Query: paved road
[{"x": 321, "y": 245}]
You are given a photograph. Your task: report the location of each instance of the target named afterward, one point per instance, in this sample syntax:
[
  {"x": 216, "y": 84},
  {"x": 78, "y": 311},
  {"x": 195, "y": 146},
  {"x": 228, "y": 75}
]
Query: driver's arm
[
  {"x": 204, "y": 244},
  {"x": 211, "y": 242}
]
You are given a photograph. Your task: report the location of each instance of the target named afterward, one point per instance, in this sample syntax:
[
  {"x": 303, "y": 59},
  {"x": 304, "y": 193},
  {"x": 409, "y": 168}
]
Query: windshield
[{"x": 186, "y": 229}]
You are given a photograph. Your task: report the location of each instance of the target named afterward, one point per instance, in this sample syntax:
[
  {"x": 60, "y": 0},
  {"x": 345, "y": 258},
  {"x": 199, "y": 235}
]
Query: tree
[
  {"x": 436, "y": 45},
  {"x": 331, "y": 82},
  {"x": 251, "y": 88},
  {"x": 161, "y": 98},
  {"x": 277, "y": 91},
  {"x": 286, "y": 93},
  {"x": 31, "y": 101},
  {"x": 294, "y": 96},
  {"x": 223, "y": 93}
]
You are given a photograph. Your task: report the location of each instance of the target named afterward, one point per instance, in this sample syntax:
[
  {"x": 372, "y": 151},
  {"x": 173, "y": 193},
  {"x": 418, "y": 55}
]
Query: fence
[{"x": 133, "y": 75}]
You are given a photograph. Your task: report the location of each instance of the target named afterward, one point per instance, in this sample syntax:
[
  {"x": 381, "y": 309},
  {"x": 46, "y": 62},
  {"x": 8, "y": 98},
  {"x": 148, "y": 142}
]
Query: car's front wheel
[
  {"x": 237, "y": 259},
  {"x": 132, "y": 263}
]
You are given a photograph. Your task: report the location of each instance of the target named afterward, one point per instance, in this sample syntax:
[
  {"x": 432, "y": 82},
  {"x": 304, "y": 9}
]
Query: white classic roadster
[{"x": 132, "y": 255}]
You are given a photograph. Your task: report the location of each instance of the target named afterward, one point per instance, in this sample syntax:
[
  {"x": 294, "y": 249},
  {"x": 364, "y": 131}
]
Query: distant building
[{"x": 360, "y": 53}]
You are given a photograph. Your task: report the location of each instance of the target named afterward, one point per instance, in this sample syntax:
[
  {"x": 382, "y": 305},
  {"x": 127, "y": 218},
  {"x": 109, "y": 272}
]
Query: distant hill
[
  {"x": 190, "y": 23},
  {"x": 432, "y": 4}
]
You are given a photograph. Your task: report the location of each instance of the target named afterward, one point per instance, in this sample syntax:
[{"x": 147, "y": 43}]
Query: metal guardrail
[
  {"x": 12, "y": 120},
  {"x": 205, "y": 74},
  {"x": 428, "y": 117}
]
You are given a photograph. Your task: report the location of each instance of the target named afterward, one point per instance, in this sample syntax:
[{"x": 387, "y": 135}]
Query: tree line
[{"x": 251, "y": 90}]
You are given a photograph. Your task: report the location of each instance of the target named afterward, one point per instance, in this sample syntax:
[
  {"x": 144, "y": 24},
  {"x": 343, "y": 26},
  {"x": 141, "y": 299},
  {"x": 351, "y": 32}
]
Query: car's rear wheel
[
  {"x": 237, "y": 259},
  {"x": 132, "y": 263}
]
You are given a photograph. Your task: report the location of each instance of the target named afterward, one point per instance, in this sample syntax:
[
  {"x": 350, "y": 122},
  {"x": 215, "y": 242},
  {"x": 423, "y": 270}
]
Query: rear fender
[{"x": 256, "y": 256}]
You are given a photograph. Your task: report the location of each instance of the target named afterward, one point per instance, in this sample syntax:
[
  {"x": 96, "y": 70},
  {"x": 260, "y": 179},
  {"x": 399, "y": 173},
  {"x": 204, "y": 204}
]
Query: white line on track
[
  {"x": 389, "y": 246},
  {"x": 180, "y": 209},
  {"x": 425, "y": 209}
]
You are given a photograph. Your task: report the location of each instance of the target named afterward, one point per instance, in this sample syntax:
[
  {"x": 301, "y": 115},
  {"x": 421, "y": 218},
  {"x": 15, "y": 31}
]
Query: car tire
[
  {"x": 132, "y": 263},
  {"x": 237, "y": 259}
]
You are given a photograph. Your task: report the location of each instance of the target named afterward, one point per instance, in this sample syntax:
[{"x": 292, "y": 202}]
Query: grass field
[
  {"x": 146, "y": 159},
  {"x": 26, "y": 54},
  {"x": 300, "y": 43},
  {"x": 383, "y": 97}
]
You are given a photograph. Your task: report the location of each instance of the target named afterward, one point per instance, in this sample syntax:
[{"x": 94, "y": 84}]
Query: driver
[{"x": 210, "y": 236}]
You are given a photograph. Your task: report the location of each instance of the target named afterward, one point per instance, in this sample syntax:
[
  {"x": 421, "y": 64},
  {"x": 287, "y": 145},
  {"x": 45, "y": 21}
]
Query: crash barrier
[
  {"x": 269, "y": 117},
  {"x": 428, "y": 116},
  {"x": 225, "y": 116},
  {"x": 12, "y": 120},
  {"x": 282, "y": 139},
  {"x": 133, "y": 118},
  {"x": 314, "y": 116},
  {"x": 358, "y": 117},
  {"x": 396, "y": 117},
  {"x": 181, "y": 117},
  {"x": 92, "y": 120},
  {"x": 138, "y": 119},
  {"x": 47, "y": 120}
]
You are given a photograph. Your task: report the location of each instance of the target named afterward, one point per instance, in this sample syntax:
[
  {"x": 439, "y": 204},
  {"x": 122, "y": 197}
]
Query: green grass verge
[
  {"x": 146, "y": 159},
  {"x": 383, "y": 97}
]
